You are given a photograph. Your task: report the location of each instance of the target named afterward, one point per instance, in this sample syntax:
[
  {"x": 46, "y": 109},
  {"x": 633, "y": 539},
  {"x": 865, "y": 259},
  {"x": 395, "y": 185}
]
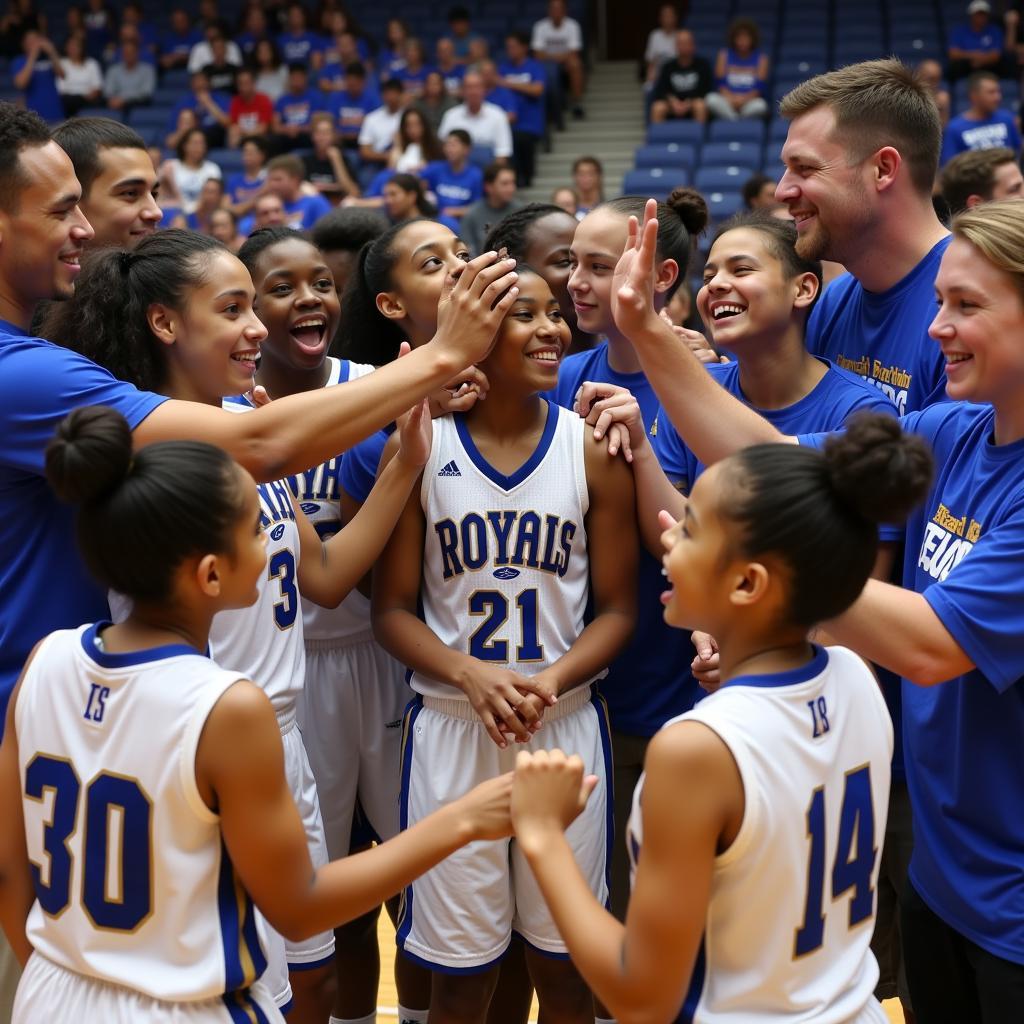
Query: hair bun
[
  {"x": 690, "y": 207},
  {"x": 877, "y": 469},
  {"x": 90, "y": 454}
]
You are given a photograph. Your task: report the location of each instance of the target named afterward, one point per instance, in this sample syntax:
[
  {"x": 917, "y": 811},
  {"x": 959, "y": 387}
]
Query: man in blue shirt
[
  {"x": 978, "y": 45},
  {"x": 285, "y": 175},
  {"x": 455, "y": 181},
  {"x": 983, "y": 125},
  {"x": 36, "y": 74},
  {"x": 176, "y": 44},
  {"x": 294, "y": 109},
  {"x": 525, "y": 77},
  {"x": 352, "y": 103},
  {"x": 211, "y": 109},
  {"x": 43, "y": 582}
]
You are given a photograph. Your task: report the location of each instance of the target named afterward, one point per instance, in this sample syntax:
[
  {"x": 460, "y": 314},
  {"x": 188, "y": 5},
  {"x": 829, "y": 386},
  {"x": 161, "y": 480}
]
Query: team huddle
[{"x": 616, "y": 671}]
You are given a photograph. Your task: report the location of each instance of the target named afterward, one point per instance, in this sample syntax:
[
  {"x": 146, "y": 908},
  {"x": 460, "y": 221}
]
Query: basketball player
[
  {"x": 754, "y": 831},
  {"x": 520, "y": 515},
  {"x": 154, "y": 841}
]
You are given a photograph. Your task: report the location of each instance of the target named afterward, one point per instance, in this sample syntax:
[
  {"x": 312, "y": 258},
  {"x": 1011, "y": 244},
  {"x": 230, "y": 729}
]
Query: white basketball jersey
[
  {"x": 793, "y": 898},
  {"x": 133, "y": 882},
  {"x": 317, "y": 493},
  {"x": 505, "y": 566},
  {"x": 265, "y": 641}
]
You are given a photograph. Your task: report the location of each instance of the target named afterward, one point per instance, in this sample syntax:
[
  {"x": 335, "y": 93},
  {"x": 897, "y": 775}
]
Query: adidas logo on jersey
[{"x": 450, "y": 469}]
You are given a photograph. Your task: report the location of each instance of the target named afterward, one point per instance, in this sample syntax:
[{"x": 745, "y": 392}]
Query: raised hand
[
  {"x": 612, "y": 410},
  {"x": 633, "y": 279},
  {"x": 549, "y": 792},
  {"x": 415, "y": 434}
]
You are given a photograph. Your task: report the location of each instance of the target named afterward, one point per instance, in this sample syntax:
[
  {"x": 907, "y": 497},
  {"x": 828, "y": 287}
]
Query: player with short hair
[{"x": 979, "y": 176}]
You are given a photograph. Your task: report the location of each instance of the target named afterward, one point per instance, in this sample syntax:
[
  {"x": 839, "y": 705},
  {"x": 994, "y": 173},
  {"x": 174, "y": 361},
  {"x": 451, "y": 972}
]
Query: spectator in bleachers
[
  {"x": 285, "y": 175},
  {"x": 130, "y": 82},
  {"x": 350, "y": 104},
  {"x": 486, "y": 123},
  {"x": 379, "y": 126},
  {"x": 525, "y": 77},
  {"x": 980, "y": 176},
  {"x": 404, "y": 199},
  {"x": 254, "y": 28},
  {"x": 35, "y": 76},
  {"x": 74, "y": 25},
  {"x": 661, "y": 43},
  {"x": 224, "y": 227},
  {"x": 436, "y": 100},
  {"x": 297, "y": 44},
  {"x": 210, "y": 109},
  {"x": 455, "y": 182},
  {"x": 271, "y": 73},
  {"x": 81, "y": 85},
  {"x": 340, "y": 52},
  {"x": 294, "y": 110},
  {"x": 415, "y": 71},
  {"x": 588, "y": 184},
  {"x": 479, "y": 49},
  {"x": 202, "y": 52},
  {"x": 741, "y": 74},
  {"x": 461, "y": 33},
  {"x": 340, "y": 234},
  {"x": 221, "y": 73},
  {"x": 415, "y": 145},
  {"x": 245, "y": 185},
  {"x": 182, "y": 177},
  {"x": 337, "y": 23},
  {"x": 978, "y": 44},
  {"x": 326, "y": 168},
  {"x": 211, "y": 199},
  {"x": 930, "y": 73},
  {"x": 99, "y": 27},
  {"x": 391, "y": 58},
  {"x": 565, "y": 198},
  {"x": 759, "y": 193},
  {"x": 177, "y": 42},
  {"x": 499, "y": 199},
  {"x": 984, "y": 124},
  {"x": 117, "y": 177},
  {"x": 20, "y": 19},
  {"x": 450, "y": 69},
  {"x": 682, "y": 84},
  {"x": 250, "y": 112},
  {"x": 145, "y": 32},
  {"x": 494, "y": 91},
  {"x": 267, "y": 213},
  {"x": 558, "y": 39}
]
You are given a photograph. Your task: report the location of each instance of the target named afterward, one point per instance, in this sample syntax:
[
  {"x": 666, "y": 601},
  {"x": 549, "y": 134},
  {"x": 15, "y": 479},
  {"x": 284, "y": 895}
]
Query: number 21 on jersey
[{"x": 853, "y": 860}]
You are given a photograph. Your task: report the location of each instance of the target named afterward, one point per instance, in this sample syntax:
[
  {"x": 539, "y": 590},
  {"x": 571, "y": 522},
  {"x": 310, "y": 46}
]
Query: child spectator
[{"x": 741, "y": 72}]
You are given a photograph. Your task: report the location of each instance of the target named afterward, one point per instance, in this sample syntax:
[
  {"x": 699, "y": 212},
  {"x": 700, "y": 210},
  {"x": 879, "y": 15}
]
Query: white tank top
[
  {"x": 133, "y": 882},
  {"x": 505, "y": 566},
  {"x": 793, "y": 898}
]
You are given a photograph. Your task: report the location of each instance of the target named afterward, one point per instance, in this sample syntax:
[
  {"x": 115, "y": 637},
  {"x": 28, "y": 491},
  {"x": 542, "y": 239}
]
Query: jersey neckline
[
  {"x": 803, "y": 674},
  {"x": 105, "y": 659}
]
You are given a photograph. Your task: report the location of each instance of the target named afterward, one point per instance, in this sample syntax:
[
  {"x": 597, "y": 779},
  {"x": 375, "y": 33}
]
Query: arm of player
[
  {"x": 329, "y": 571},
  {"x": 267, "y": 843},
  {"x": 711, "y": 422},
  {"x": 495, "y": 692},
  {"x": 293, "y": 433},
  {"x": 612, "y": 547},
  {"x": 692, "y": 795},
  {"x": 17, "y": 892}
]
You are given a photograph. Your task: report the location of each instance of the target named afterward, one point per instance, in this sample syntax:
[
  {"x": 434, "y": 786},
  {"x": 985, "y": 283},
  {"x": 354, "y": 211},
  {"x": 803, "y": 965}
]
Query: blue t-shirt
[
  {"x": 741, "y": 74},
  {"x": 883, "y": 336},
  {"x": 298, "y": 47},
  {"x": 650, "y": 681},
  {"x": 529, "y": 109},
  {"x": 359, "y": 467},
  {"x": 203, "y": 116},
  {"x": 240, "y": 188},
  {"x": 454, "y": 188},
  {"x": 413, "y": 80},
  {"x": 504, "y": 98},
  {"x": 43, "y": 580},
  {"x": 453, "y": 79},
  {"x": 306, "y": 211},
  {"x": 963, "y": 737},
  {"x": 349, "y": 110},
  {"x": 41, "y": 94},
  {"x": 964, "y": 133},
  {"x": 299, "y": 109},
  {"x": 180, "y": 45},
  {"x": 988, "y": 40}
]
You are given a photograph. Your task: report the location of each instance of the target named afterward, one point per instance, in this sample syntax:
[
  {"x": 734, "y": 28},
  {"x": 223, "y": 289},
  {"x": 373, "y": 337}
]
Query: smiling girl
[{"x": 502, "y": 649}]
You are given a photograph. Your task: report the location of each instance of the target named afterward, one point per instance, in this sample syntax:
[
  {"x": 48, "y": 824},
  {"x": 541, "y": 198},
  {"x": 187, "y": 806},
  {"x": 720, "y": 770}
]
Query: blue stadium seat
[
  {"x": 799, "y": 68},
  {"x": 669, "y": 154},
  {"x": 777, "y": 131},
  {"x": 657, "y": 182},
  {"x": 114, "y": 115},
  {"x": 724, "y": 179},
  {"x": 152, "y": 116},
  {"x": 723, "y": 154},
  {"x": 675, "y": 131},
  {"x": 853, "y": 53},
  {"x": 228, "y": 160},
  {"x": 736, "y": 131},
  {"x": 722, "y": 205},
  {"x": 800, "y": 52},
  {"x": 151, "y": 134},
  {"x": 164, "y": 97},
  {"x": 177, "y": 78}
]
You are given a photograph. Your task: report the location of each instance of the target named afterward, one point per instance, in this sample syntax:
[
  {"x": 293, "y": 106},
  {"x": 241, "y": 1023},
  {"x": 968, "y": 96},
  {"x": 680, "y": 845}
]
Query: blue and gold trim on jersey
[
  {"x": 507, "y": 483},
  {"x": 244, "y": 959}
]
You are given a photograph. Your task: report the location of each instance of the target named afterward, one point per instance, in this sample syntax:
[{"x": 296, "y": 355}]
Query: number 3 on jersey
[
  {"x": 494, "y": 605},
  {"x": 281, "y": 567},
  {"x": 853, "y": 862}
]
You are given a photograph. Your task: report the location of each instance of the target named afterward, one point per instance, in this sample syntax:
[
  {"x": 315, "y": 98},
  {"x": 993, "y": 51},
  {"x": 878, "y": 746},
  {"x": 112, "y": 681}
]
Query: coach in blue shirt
[{"x": 43, "y": 582}]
